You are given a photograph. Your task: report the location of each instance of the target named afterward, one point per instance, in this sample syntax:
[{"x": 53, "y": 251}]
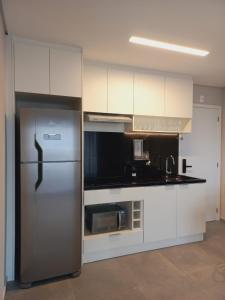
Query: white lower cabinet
[
  {"x": 113, "y": 240},
  {"x": 190, "y": 209},
  {"x": 160, "y": 213},
  {"x": 169, "y": 215}
]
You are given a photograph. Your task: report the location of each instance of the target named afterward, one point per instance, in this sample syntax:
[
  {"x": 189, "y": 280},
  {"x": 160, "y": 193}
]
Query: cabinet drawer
[
  {"x": 113, "y": 195},
  {"x": 114, "y": 240}
]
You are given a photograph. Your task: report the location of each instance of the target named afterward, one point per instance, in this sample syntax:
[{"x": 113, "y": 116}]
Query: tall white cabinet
[{"x": 47, "y": 69}]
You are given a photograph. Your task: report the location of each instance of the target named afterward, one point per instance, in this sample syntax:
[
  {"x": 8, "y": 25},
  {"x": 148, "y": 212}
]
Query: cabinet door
[
  {"x": 65, "y": 72},
  {"x": 178, "y": 97},
  {"x": 149, "y": 94},
  {"x": 190, "y": 209},
  {"x": 160, "y": 213},
  {"x": 95, "y": 88},
  {"x": 120, "y": 92},
  {"x": 31, "y": 68}
]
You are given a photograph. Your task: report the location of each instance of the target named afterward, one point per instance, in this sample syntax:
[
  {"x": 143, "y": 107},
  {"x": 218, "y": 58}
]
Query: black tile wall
[{"x": 110, "y": 154}]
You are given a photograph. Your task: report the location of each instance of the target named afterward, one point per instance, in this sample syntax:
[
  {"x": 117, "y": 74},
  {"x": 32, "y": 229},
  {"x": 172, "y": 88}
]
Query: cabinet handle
[{"x": 115, "y": 234}]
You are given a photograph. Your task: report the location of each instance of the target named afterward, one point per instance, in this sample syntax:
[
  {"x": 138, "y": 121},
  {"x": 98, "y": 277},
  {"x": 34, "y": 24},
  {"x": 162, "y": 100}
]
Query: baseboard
[{"x": 2, "y": 293}]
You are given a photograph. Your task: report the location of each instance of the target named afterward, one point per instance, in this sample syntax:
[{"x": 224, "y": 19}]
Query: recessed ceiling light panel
[{"x": 167, "y": 46}]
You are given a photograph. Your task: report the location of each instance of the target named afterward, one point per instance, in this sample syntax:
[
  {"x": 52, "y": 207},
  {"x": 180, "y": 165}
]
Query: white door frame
[
  {"x": 10, "y": 165},
  {"x": 219, "y": 109}
]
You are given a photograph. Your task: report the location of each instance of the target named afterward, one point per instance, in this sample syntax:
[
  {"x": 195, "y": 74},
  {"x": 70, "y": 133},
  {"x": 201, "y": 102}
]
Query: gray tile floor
[{"x": 188, "y": 272}]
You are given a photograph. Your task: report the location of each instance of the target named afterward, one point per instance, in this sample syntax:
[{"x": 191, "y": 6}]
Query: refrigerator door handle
[{"x": 40, "y": 163}]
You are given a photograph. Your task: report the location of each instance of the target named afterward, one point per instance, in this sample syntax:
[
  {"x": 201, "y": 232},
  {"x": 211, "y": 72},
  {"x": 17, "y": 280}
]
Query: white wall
[
  {"x": 212, "y": 95},
  {"x": 2, "y": 160},
  {"x": 222, "y": 209}
]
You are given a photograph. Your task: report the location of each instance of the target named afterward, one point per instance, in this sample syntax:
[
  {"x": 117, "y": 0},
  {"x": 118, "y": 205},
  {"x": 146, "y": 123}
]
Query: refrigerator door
[
  {"x": 50, "y": 221},
  {"x": 28, "y": 151},
  {"x": 58, "y": 134}
]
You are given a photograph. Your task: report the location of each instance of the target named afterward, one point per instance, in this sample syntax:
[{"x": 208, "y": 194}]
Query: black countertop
[{"x": 122, "y": 182}]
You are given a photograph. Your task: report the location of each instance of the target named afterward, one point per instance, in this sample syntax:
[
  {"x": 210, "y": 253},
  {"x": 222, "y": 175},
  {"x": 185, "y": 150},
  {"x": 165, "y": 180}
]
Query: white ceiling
[{"x": 103, "y": 27}]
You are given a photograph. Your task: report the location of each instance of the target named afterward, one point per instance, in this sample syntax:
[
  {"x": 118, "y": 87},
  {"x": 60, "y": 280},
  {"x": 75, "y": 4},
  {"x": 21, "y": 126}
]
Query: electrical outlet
[{"x": 202, "y": 99}]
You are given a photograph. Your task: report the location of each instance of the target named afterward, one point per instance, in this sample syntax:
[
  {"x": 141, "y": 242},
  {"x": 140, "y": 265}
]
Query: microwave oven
[{"x": 105, "y": 218}]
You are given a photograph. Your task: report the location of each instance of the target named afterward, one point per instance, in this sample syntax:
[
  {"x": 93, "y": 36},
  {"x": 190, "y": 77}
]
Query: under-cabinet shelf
[{"x": 134, "y": 219}]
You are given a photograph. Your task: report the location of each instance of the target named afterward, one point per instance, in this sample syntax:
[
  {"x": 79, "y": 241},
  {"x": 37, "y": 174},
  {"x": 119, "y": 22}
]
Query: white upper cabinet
[
  {"x": 160, "y": 211},
  {"x": 120, "y": 91},
  {"x": 149, "y": 94},
  {"x": 31, "y": 68},
  {"x": 178, "y": 97},
  {"x": 95, "y": 88},
  {"x": 65, "y": 72},
  {"x": 114, "y": 89},
  {"x": 47, "y": 69}
]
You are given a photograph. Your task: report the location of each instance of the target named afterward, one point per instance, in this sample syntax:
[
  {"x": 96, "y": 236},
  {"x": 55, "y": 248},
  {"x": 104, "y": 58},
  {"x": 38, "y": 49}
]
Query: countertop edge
[{"x": 132, "y": 185}]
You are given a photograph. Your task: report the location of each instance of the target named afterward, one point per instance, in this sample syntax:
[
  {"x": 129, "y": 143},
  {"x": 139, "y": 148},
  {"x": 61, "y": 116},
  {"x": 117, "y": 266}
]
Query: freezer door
[
  {"x": 50, "y": 221},
  {"x": 58, "y": 134},
  {"x": 28, "y": 151}
]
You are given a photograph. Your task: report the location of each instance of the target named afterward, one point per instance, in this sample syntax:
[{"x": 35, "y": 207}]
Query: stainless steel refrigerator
[{"x": 50, "y": 193}]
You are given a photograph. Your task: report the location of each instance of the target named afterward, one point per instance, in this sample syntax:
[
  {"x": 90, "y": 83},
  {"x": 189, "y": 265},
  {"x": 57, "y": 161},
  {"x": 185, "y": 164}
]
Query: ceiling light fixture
[{"x": 167, "y": 46}]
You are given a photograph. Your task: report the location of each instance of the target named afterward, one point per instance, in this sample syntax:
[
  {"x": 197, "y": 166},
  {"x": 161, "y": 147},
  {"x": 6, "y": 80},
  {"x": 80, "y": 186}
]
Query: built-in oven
[{"x": 105, "y": 218}]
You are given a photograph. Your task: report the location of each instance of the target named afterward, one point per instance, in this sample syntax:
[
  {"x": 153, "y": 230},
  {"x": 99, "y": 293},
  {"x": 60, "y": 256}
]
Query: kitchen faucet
[
  {"x": 169, "y": 171},
  {"x": 148, "y": 163}
]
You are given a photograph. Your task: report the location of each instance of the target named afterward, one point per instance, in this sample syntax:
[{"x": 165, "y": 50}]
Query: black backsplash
[{"x": 110, "y": 154}]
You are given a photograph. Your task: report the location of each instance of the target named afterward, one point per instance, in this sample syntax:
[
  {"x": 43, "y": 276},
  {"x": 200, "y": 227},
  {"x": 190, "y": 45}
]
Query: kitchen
[{"x": 115, "y": 151}]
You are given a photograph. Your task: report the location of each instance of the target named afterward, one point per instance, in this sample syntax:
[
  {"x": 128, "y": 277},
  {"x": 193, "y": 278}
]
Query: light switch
[{"x": 202, "y": 99}]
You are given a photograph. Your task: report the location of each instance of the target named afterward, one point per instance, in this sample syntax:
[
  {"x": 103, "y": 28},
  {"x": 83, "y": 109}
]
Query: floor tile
[{"x": 188, "y": 272}]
